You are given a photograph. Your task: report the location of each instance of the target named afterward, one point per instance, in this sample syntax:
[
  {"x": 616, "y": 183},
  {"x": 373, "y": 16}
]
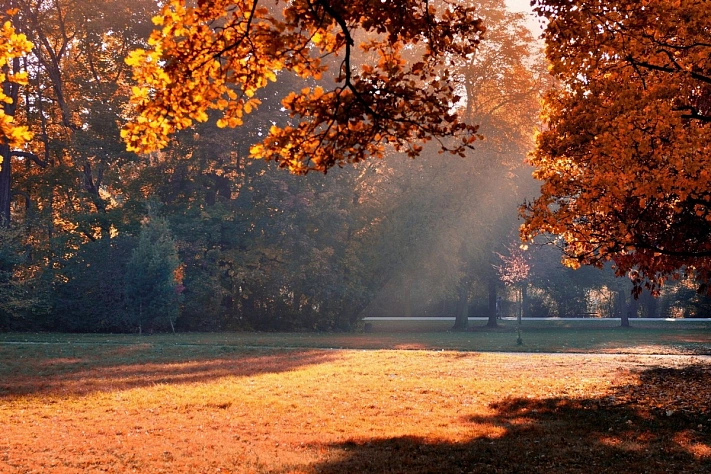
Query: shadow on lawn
[
  {"x": 108, "y": 369},
  {"x": 653, "y": 427}
]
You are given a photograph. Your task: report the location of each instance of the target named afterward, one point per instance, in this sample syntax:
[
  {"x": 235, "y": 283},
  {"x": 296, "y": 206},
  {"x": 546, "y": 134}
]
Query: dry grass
[{"x": 194, "y": 408}]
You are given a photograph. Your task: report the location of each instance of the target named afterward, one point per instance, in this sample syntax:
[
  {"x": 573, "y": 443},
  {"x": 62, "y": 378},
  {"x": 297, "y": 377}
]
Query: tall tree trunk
[
  {"x": 620, "y": 304},
  {"x": 12, "y": 91},
  {"x": 520, "y": 306},
  {"x": 491, "y": 323},
  {"x": 5, "y": 183}
]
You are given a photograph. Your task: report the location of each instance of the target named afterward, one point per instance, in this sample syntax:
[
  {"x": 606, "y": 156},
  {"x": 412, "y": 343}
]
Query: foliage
[
  {"x": 445, "y": 221},
  {"x": 218, "y": 55},
  {"x": 514, "y": 267},
  {"x": 152, "y": 279},
  {"x": 259, "y": 249},
  {"x": 13, "y": 45},
  {"x": 624, "y": 159},
  {"x": 91, "y": 297},
  {"x": 64, "y": 188},
  {"x": 24, "y": 289},
  {"x": 557, "y": 290}
]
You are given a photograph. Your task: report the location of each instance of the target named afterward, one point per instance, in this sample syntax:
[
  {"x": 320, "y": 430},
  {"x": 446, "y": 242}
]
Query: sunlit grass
[{"x": 188, "y": 404}]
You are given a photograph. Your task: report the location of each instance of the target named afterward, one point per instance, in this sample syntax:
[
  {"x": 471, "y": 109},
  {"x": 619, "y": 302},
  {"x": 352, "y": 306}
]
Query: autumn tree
[
  {"x": 503, "y": 82},
  {"x": 513, "y": 271},
  {"x": 13, "y": 46},
  {"x": 64, "y": 187},
  {"x": 74, "y": 105},
  {"x": 217, "y": 55},
  {"x": 624, "y": 159}
]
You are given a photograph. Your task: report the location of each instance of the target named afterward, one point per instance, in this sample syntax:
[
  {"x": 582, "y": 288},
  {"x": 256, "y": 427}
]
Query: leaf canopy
[
  {"x": 217, "y": 55},
  {"x": 625, "y": 157}
]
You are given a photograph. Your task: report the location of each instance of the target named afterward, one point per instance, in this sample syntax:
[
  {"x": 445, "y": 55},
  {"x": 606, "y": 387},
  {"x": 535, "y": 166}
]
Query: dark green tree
[
  {"x": 24, "y": 292},
  {"x": 153, "y": 286},
  {"x": 90, "y": 296}
]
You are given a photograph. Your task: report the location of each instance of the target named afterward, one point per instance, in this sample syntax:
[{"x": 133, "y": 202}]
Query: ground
[{"x": 315, "y": 403}]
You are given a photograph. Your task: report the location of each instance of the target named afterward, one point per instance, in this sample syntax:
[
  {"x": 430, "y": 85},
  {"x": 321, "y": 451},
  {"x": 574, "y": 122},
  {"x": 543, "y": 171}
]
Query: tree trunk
[
  {"x": 520, "y": 306},
  {"x": 5, "y": 183},
  {"x": 491, "y": 323},
  {"x": 461, "y": 320},
  {"x": 11, "y": 90},
  {"x": 620, "y": 304},
  {"x": 624, "y": 319},
  {"x": 630, "y": 312},
  {"x": 524, "y": 300}
]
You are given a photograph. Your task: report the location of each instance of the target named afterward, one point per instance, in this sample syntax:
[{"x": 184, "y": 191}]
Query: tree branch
[
  {"x": 30, "y": 156},
  {"x": 655, "y": 67}
]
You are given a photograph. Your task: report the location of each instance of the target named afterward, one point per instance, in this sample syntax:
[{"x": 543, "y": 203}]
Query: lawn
[{"x": 308, "y": 403}]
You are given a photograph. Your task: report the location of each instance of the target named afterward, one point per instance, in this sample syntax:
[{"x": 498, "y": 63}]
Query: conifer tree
[{"x": 152, "y": 283}]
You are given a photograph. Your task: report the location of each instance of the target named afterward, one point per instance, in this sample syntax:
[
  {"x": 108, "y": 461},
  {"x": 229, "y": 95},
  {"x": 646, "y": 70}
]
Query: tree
[
  {"x": 24, "y": 293},
  {"x": 152, "y": 277},
  {"x": 624, "y": 160},
  {"x": 218, "y": 54},
  {"x": 64, "y": 187},
  {"x": 513, "y": 271},
  {"x": 91, "y": 294},
  {"x": 74, "y": 103},
  {"x": 13, "y": 46}
]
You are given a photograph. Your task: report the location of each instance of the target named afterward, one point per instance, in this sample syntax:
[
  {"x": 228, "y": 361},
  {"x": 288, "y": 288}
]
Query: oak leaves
[
  {"x": 625, "y": 158},
  {"x": 217, "y": 55},
  {"x": 12, "y": 47}
]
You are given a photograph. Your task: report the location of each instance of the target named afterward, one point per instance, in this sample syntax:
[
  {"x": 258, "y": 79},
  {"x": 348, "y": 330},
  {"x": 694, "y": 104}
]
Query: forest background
[{"x": 198, "y": 237}]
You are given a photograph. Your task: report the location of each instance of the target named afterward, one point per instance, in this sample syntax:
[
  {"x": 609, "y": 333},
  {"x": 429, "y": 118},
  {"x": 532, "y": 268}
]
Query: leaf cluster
[
  {"x": 13, "y": 46},
  {"x": 217, "y": 55}
]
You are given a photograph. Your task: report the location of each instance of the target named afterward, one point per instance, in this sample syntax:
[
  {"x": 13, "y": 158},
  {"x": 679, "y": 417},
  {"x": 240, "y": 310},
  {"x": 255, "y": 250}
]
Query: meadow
[{"x": 570, "y": 399}]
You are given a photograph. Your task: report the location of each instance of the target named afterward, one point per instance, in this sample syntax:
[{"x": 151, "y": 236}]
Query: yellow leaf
[{"x": 135, "y": 57}]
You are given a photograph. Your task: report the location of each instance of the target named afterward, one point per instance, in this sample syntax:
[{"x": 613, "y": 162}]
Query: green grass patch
[{"x": 648, "y": 337}]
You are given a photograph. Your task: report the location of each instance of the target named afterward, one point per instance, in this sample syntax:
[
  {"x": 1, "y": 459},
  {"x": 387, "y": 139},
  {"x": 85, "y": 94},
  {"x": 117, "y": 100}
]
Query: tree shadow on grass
[
  {"x": 661, "y": 425},
  {"x": 82, "y": 370}
]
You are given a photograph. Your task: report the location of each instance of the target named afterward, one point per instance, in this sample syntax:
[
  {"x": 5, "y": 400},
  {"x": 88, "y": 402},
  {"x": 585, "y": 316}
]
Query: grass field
[{"x": 352, "y": 403}]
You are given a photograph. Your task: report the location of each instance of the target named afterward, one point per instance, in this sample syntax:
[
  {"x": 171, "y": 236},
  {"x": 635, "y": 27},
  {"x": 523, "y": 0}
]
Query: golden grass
[{"x": 155, "y": 409}]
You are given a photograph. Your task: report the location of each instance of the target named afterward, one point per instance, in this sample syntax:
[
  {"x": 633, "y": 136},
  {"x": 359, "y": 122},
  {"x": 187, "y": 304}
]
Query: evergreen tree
[{"x": 152, "y": 282}]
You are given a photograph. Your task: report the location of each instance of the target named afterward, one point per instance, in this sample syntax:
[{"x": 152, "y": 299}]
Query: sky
[
  {"x": 525, "y": 6},
  {"x": 519, "y": 5}
]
